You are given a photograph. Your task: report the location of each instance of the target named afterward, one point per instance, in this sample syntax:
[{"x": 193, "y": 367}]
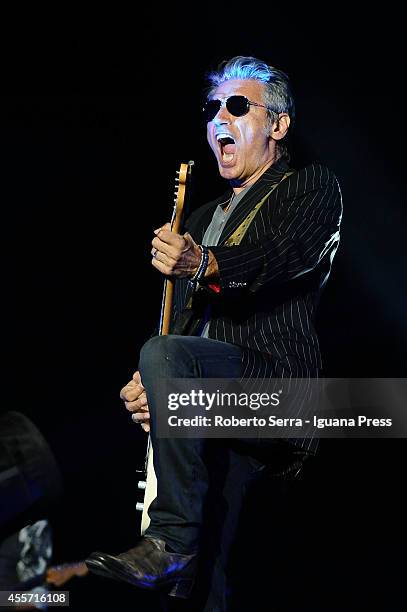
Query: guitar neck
[{"x": 183, "y": 177}]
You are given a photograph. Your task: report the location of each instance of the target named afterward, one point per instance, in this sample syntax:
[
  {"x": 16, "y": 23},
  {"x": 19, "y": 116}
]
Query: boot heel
[{"x": 182, "y": 589}]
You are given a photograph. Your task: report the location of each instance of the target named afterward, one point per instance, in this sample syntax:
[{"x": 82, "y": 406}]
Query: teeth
[
  {"x": 227, "y": 157},
  {"x": 224, "y": 135}
]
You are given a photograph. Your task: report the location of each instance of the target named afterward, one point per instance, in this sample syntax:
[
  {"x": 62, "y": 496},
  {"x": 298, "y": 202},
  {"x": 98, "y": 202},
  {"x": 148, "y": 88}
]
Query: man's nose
[
  {"x": 221, "y": 119},
  {"x": 222, "y": 116}
]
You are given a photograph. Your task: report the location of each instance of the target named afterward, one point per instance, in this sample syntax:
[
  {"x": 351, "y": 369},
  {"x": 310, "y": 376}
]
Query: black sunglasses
[{"x": 235, "y": 105}]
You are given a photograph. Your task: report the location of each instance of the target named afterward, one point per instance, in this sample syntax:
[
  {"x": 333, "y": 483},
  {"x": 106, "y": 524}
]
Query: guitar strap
[{"x": 239, "y": 233}]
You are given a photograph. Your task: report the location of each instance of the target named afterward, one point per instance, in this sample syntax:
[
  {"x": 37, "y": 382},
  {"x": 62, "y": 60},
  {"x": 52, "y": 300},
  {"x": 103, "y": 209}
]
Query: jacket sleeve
[{"x": 302, "y": 230}]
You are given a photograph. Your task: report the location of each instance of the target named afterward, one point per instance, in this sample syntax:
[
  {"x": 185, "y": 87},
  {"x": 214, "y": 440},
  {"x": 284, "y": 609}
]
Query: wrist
[
  {"x": 200, "y": 271},
  {"x": 212, "y": 270}
]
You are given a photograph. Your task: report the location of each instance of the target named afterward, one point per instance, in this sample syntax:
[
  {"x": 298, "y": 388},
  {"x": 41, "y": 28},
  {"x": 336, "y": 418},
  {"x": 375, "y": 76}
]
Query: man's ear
[{"x": 280, "y": 127}]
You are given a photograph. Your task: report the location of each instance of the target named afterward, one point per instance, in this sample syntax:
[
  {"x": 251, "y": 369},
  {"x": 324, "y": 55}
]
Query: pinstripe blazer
[{"x": 271, "y": 282}]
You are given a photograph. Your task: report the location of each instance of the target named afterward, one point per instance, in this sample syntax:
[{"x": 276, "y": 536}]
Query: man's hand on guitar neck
[
  {"x": 135, "y": 400},
  {"x": 178, "y": 256}
]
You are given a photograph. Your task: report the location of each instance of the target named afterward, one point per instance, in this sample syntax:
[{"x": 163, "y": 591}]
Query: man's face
[{"x": 253, "y": 149}]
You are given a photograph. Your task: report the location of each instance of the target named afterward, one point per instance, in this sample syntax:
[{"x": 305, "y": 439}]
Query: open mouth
[{"x": 227, "y": 147}]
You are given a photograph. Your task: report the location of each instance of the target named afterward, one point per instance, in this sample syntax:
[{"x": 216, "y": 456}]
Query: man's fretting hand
[
  {"x": 173, "y": 254},
  {"x": 178, "y": 256}
]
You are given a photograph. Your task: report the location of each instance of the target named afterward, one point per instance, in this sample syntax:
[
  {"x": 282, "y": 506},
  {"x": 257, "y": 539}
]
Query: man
[{"x": 254, "y": 294}]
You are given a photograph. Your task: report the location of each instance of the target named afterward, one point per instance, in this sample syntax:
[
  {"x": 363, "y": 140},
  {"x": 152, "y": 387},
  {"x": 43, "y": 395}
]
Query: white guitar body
[{"x": 150, "y": 492}]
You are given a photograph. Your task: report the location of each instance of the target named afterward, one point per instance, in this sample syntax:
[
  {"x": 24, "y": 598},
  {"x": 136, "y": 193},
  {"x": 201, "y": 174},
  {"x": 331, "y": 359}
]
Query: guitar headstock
[{"x": 181, "y": 180}]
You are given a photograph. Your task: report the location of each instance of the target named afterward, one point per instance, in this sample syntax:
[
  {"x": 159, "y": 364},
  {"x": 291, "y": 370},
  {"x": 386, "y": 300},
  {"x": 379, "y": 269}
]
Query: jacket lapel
[
  {"x": 271, "y": 176},
  {"x": 198, "y": 226}
]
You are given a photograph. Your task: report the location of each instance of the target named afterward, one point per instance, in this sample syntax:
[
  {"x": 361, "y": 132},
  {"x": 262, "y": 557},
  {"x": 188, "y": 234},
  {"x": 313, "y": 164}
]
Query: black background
[{"x": 97, "y": 114}]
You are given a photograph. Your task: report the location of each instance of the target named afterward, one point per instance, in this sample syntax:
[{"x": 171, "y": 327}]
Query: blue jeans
[{"x": 183, "y": 466}]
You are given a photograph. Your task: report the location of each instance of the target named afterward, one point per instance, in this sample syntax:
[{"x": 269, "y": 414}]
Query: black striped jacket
[{"x": 271, "y": 282}]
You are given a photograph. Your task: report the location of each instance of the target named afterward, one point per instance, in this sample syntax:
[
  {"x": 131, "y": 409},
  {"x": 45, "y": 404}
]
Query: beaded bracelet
[{"x": 203, "y": 264}]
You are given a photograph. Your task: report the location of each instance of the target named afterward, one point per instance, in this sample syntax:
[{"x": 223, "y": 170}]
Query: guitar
[{"x": 149, "y": 485}]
